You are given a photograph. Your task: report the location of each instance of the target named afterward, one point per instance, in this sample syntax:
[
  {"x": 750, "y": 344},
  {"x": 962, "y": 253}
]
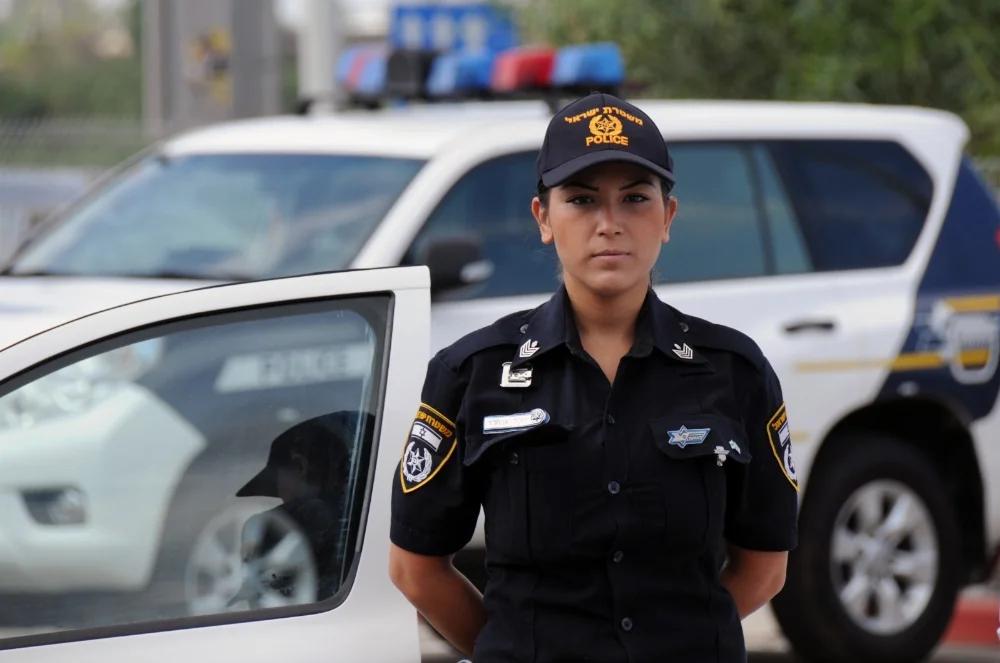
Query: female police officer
[{"x": 633, "y": 462}]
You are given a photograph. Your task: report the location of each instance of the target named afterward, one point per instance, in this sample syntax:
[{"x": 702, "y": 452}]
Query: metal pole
[{"x": 320, "y": 41}]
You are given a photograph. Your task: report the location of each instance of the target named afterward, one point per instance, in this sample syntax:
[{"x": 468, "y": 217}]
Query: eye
[
  {"x": 636, "y": 198},
  {"x": 580, "y": 200}
]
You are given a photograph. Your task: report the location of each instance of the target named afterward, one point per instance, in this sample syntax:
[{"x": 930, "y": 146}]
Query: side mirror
[{"x": 455, "y": 262}]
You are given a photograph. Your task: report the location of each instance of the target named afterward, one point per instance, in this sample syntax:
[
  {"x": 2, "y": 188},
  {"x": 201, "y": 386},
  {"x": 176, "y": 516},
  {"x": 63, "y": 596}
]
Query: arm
[
  {"x": 445, "y": 598},
  {"x": 762, "y": 506},
  {"x": 753, "y": 578},
  {"x": 435, "y": 508}
]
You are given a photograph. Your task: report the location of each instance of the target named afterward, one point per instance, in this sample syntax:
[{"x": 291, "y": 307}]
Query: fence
[{"x": 91, "y": 143}]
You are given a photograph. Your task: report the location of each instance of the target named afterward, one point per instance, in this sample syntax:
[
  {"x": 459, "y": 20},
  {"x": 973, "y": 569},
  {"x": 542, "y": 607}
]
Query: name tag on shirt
[{"x": 506, "y": 423}]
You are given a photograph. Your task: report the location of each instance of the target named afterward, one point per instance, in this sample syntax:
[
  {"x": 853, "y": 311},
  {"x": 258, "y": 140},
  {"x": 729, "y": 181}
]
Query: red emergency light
[{"x": 523, "y": 68}]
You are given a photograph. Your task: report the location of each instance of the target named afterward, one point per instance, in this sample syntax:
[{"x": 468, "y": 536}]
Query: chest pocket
[
  {"x": 694, "y": 454},
  {"x": 528, "y": 503}
]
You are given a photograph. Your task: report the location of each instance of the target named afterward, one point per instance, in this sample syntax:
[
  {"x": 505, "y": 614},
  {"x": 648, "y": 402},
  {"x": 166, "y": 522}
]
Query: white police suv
[{"x": 855, "y": 244}]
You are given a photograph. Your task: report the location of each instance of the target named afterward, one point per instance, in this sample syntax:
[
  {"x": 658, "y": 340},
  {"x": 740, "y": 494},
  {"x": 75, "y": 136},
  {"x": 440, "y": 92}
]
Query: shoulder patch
[
  {"x": 504, "y": 331},
  {"x": 431, "y": 444},
  {"x": 779, "y": 435}
]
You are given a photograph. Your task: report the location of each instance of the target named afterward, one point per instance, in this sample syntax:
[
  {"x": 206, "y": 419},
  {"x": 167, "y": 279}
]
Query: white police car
[{"x": 855, "y": 244}]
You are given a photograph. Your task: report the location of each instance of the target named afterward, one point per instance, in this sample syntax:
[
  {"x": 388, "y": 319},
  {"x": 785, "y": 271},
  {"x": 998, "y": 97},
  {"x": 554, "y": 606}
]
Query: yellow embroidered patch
[
  {"x": 779, "y": 435},
  {"x": 431, "y": 443}
]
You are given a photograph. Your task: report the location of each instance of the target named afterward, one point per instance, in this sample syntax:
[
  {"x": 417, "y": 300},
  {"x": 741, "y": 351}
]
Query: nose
[{"x": 607, "y": 221}]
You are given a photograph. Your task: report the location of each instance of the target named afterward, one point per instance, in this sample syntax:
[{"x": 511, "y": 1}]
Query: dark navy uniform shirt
[{"x": 607, "y": 506}]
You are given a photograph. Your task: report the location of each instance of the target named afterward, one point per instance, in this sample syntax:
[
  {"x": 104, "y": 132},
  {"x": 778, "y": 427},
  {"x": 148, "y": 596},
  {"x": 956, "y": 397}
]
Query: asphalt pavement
[{"x": 765, "y": 644}]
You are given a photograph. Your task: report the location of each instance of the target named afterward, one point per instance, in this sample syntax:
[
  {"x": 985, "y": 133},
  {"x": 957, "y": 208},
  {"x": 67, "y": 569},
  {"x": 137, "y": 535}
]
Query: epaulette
[
  {"x": 504, "y": 331},
  {"x": 706, "y": 334}
]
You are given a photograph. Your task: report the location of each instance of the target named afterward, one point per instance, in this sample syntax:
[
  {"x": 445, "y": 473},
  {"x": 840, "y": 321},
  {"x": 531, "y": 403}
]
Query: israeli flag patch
[{"x": 684, "y": 436}]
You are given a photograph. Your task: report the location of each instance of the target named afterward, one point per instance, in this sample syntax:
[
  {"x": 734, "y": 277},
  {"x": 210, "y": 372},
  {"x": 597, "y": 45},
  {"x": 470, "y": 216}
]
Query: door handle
[{"x": 809, "y": 325}]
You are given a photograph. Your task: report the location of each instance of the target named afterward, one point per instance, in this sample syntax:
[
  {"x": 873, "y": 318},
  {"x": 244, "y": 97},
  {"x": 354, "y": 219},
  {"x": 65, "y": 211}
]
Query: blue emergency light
[
  {"x": 353, "y": 61},
  {"x": 455, "y": 75},
  {"x": 597, "y": 66},
  {"x": 470, "y": 51},
  {"x": 371, "y": 79}
]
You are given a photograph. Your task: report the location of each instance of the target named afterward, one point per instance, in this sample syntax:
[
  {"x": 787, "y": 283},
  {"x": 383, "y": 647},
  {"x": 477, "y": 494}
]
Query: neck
[{"x": 606, "y": 317}]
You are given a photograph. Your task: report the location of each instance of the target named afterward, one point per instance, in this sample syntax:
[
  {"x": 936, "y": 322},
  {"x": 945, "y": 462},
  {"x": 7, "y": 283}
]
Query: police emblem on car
[
  {"x": 684, "y": 436},
  {"x": 430, "y": 445}
]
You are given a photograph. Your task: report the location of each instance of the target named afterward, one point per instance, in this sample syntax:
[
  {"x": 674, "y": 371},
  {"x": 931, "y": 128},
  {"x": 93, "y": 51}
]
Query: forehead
[{"x": 612, "y": 172}]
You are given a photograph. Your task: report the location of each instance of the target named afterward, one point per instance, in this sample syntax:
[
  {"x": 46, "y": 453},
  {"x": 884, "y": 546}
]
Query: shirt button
[
  {"x": 613, "y": 487},
  {"x": 611, "y": 420},
  {"x": 514, "y": 458},
  {"x": 617, "y": 557},
  {"x": 627, "y": 624}
]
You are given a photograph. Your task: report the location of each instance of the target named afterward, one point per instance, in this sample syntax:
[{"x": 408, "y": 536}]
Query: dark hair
[{"x": 543, "y": 191}]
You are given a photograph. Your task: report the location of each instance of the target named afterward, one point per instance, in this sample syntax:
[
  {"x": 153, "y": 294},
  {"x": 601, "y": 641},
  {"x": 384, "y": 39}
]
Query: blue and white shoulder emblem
[{"x": 684, "y": 436}]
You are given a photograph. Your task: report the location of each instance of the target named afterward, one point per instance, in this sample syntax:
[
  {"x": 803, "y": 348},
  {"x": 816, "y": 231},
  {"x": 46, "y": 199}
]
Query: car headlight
[{"x": 78, "y": 387}]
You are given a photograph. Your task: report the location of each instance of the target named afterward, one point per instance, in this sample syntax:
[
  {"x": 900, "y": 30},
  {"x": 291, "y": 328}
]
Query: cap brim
[
  {"x": 264, "y": 484},
  {"x": 560, "y": 174}
]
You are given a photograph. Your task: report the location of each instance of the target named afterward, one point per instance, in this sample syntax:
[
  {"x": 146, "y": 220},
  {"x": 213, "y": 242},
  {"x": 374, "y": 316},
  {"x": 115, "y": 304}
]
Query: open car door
[{"x": 205, "y": 476}]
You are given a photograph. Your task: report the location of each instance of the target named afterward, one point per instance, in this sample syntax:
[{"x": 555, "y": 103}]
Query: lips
[{"x": 609, "y": 253}]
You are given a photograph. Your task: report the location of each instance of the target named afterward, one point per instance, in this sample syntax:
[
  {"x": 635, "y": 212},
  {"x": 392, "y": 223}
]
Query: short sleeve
[
  {"x": 435, "y": 504},
  {"x": 762, "y": 508}
]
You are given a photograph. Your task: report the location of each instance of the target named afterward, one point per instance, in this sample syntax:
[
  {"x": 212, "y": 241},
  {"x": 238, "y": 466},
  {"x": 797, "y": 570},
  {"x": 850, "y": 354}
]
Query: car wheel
[
  {"x": 248, "y": 559},
  {"x": 878, "y": 565}
]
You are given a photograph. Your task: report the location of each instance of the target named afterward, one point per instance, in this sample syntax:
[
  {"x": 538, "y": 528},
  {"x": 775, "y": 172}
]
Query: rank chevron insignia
[
  {"x": 528, "y": 348},
  {"x": 684, "y": 353}
]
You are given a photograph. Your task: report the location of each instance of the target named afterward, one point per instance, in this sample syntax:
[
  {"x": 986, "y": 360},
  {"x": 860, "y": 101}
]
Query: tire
[{"x": 817, "y": 623}]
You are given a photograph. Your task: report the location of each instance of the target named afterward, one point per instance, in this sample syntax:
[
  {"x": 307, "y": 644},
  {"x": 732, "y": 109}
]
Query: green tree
[{"x": 938, "y": 53}]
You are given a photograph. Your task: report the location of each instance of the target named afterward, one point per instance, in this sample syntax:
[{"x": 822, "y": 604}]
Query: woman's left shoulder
[{"x": 707, "y": 335}]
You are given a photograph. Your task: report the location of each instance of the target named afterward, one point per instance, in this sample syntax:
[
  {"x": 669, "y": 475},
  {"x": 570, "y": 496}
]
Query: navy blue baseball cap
[
  {"x": 597, "y": 129},
  {"x": 325, "y": 441}
]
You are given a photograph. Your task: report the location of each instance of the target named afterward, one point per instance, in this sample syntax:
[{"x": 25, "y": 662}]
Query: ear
[
  {"x": 670, "y": 211},
  {"x": 541, "y": 214}
]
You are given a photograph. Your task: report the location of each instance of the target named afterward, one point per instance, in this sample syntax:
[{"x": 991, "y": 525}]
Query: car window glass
[
  {"x": 716, "y": 233},
  {"x": 225, "y": 215},
  {"x": 492, "y": 202},
  {"x": 200, "y": 468},
  {"x": 784, "y": 234},
  {"x": 861, "y": 204}
]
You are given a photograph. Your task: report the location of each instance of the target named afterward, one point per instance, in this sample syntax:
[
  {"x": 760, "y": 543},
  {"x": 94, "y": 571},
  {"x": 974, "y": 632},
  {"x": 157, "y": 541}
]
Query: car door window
[
  {"x": 193, "y": 469},
  {"x": 785, "y": 240},
  {"x": 717, "y": 232},
  {"x": 492, "y": 202},
  {"x": 860, "y": 203}
]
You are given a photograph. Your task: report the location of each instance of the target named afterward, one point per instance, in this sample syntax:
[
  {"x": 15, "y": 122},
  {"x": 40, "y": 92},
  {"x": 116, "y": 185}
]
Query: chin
[{"x": 611, "y": 284}]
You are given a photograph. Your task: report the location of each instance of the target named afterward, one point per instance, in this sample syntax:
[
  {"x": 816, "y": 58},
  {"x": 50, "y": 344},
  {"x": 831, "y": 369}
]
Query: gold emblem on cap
[{"x": 606, "y": 129}]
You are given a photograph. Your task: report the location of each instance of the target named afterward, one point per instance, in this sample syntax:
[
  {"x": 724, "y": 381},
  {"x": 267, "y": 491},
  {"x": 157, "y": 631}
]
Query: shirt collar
[
  {"x": 547, "y": 328},
  {"x": 658, "y": 326}
]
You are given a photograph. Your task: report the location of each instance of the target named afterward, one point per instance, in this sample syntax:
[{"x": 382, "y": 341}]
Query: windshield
[{"x": 224, "y": 216}]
